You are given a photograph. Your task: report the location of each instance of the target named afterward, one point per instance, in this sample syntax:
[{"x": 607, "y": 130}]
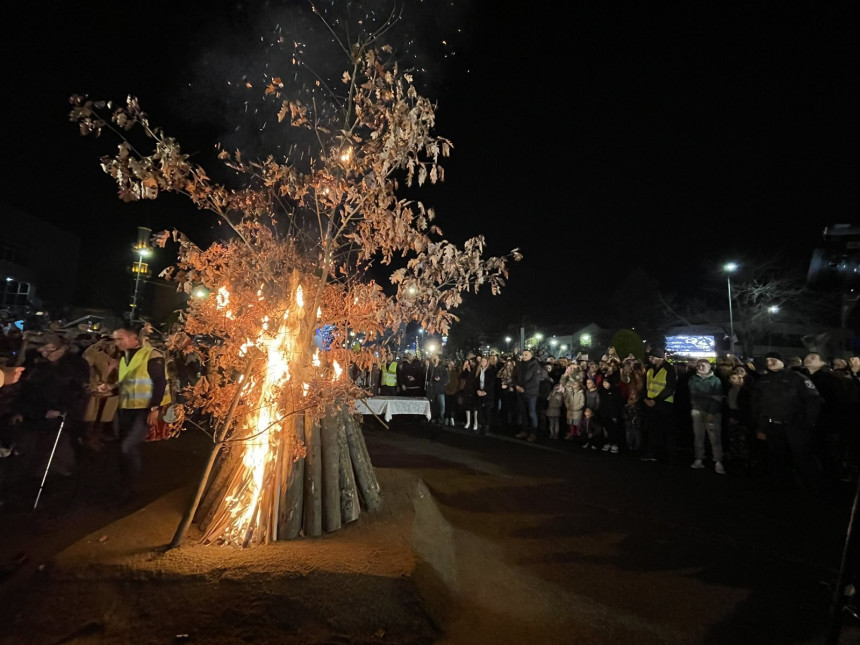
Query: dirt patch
[{"x": 379, "y": 579}]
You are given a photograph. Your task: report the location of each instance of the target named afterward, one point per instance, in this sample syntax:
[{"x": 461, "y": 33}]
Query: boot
[
  {"x": 475, "y": 424},
  {"x": 468, "y": 419}
]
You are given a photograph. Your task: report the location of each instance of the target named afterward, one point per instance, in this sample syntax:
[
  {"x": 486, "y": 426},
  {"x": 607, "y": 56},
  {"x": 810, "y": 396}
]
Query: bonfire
[{"x": 320, "y": 245}]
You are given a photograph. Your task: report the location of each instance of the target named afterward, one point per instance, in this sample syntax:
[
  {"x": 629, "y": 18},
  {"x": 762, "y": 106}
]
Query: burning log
[
  {"x": 330, "y": 472},
  {"x": 291, "y": 509},
  {"x": 313, "y": 482}
]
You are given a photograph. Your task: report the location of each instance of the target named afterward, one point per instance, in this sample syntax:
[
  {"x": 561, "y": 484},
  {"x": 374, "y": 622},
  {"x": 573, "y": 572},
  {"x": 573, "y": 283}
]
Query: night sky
[{"x": 615, "y": 136}]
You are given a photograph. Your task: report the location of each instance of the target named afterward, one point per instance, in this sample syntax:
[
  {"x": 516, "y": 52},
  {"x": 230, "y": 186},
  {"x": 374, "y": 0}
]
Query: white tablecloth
[{"x": 387, "y": 406}]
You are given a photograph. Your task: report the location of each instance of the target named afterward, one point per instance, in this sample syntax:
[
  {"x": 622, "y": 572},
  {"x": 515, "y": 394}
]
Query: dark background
[{"x": 672, "y": 137}]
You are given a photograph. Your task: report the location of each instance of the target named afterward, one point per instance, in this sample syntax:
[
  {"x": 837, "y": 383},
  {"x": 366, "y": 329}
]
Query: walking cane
[{"x": 51, "y": 458}]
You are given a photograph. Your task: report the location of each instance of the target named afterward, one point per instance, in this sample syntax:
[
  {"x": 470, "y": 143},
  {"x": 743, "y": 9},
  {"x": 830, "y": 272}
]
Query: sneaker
[
  {"x": 521, "y": 435},
  {"x": 718, "y": 468},
  {"x": 531, "y": 437},
  {"x": 697, "y": 464},
  {"x": 605, "y": 447},
  {"x": 614, "y": 449},
  {"x": 647, "y": 458},
  {"x": 593, "y": 447},
  {"x": 568, "y": 436},
  {"x": 585, "y": 445}
]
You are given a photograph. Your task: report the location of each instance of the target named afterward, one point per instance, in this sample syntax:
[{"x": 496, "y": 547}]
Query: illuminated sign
[{"x": 692, "y": 346}]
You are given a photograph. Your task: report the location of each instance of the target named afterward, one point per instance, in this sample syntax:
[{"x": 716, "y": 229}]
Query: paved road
[
  {"x": 549, "y": 539},
  {"x": 548, "y": 543}
]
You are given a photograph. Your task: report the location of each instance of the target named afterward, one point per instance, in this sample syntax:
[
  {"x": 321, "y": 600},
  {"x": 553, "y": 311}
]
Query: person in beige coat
[{"x": 103, "y": 359}]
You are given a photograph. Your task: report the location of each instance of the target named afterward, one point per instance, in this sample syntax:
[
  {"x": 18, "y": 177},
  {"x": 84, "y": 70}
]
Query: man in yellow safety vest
[
  {"x": 388, "y": 386},
  {"x": 142, "y": 391},
  {"x": 659, "y": 419}
]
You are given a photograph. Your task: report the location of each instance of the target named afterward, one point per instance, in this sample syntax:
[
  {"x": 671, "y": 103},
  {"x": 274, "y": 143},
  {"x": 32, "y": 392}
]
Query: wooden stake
[
  {"x": 313, "y": 481},
  {"x": 368, "y": 485},
  {"x": 291, "y": 510},
  {"x": 330, "y": 452}
]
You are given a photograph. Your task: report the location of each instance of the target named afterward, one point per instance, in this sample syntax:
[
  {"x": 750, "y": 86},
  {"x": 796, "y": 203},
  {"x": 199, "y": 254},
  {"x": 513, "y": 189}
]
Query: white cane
[{"x": 51, "y": 458}]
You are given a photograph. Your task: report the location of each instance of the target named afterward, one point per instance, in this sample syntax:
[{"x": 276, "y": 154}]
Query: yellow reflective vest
[
  {"x": 656, "y": 380},
  {"x": 389, "y": 374},
  {"x": 135, "y": 386}
]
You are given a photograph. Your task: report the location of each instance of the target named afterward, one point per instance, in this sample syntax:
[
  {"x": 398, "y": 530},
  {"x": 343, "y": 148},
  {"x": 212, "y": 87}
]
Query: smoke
[{"x": 236, "y": 52}]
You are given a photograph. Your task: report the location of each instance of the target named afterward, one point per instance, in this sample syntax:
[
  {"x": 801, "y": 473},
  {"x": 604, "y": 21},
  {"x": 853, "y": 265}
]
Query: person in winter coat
[
  {"x": 486, "y": 395},
  {"x": 706, "y": 406},
  {"x": 53, "y": 392},
  {"x": 574, "y": 404},
  {"x": 452, "y": 391},
  {"x": 545, "y": 386},
  {"x": 632, "y": 417},
  {"x": 468, "y": 396},
  {"x": 738, "y": 419},
  {"x": 508, "y": 396},
  {"x": 592, "y": 394},
  {"x": 785, "y": 408},
  {"x": 611, "y": 406},
  {"x": 553, "y": 409},
  {"x": 435, "y": 383},
  {"x": 528, "y": 387},
  {"x": 591, "y": 430}
]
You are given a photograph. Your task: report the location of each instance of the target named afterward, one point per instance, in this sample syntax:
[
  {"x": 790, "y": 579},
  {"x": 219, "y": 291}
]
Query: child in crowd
[
  {"x": 553, "y": 409},
  {"x": 632, "y": 416},
  {"x": 574, "y": 404},
  {"x": 592, "y": 394},
  {"x": 591, "y": 429}
]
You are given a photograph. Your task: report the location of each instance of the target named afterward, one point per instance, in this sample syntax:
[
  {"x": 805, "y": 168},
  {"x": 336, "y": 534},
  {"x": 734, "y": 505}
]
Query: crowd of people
[{"x": 798, "y": 420}]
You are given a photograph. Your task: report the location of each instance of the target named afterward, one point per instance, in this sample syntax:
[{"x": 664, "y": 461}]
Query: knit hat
[
  {"x": 51, "y": 338},
  {"x": 775, "y": 355}
]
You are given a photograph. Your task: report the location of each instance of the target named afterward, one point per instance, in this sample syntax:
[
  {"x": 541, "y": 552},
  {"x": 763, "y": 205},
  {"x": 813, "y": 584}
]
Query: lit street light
[
  {"x": 773, "y": 309},
  {"x": 729, "y": 268},
  {"x": 138, "y": 268}
]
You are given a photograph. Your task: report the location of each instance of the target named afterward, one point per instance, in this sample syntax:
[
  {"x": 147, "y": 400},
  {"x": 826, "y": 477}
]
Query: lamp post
[
  {"x": 139, "y": 267},
  {"x": 773, "y": 309},
  {"x": 729, "y": 268}
]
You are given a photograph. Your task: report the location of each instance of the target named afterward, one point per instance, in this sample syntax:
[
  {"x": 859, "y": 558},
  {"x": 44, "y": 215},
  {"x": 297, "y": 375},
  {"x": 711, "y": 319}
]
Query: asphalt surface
[
  {"x": 547, "y": 542},
  {"x": 632, "y": 551}
]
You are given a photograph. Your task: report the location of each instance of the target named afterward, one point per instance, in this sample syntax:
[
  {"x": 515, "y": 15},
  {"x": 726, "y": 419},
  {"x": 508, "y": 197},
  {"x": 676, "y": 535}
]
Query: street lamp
[
  {"x": 773, "y": 309},
  {"x": 138, "y": 268},
  {"x": 729, "y": 268}
]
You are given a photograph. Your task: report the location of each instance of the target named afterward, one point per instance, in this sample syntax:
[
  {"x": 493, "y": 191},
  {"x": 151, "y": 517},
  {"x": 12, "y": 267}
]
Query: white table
[{"x": 387, "y": 406}]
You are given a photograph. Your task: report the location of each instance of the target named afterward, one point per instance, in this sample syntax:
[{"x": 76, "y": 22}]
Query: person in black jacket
[
  {"x": 609, "y": 412},
  {"x": 545, "y": 386},
  {"x": 527, "y": 387},
  {"x": 738, "y": 419},
  {"x": 53, "y": 392},
  {"x": 486, "y": 393},
  {"x": 785, "y": 408},
  {"x": 835, "y": 420},
  {"x": 436, "y": 383}
]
